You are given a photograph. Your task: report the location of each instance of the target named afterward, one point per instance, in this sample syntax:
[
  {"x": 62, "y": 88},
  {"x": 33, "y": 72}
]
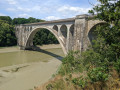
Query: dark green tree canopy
[{"x": 6, "y": 18}]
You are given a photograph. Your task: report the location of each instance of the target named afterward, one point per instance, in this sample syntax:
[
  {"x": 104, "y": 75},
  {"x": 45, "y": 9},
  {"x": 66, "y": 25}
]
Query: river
[
  {"x": 29, "y": 67},
  {"x": 21, "y": 56}
]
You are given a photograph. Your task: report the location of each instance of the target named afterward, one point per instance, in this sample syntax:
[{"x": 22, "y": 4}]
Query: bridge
[{"x": 72, "y": 33}]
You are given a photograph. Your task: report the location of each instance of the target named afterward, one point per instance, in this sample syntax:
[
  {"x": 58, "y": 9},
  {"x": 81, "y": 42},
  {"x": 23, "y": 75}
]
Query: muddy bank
[{"x": 28, "y": 75}]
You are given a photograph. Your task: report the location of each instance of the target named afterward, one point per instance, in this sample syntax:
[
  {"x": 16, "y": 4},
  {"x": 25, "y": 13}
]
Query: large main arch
[{"x": 29, "y": 40}]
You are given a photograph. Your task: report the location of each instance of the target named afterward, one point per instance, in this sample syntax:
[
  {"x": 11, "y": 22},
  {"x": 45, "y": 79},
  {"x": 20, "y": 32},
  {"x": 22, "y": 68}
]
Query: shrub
[
  {"x": 70, "y": 63},
  {"x": 98, "y": 74},
  {"x": 49, "y": 87},
  {"x": 80, "y": 82},
  {"x": 117, "y": 66}
]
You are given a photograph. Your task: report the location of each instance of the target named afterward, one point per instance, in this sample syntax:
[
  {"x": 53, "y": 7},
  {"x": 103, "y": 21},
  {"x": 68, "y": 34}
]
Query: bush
[
  {"x": 117, "y": 66},
  {"x": 80, "y": 82},
  {"x": 49, "y": 87},
  {"x": 71, "y": 63},
  {"x": 98, "y": 74}
]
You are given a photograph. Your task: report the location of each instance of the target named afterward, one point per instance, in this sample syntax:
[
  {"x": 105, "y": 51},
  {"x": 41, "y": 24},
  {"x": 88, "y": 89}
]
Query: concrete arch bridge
[{"x": 72, "y": 33}]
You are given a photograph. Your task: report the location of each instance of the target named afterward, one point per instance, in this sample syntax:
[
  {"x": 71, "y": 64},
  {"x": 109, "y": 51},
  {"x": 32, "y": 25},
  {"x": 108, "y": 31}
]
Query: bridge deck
[{"x": 54, "y": 21}]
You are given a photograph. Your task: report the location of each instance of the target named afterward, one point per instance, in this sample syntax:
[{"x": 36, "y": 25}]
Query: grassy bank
[{"x": 83, "y": 72}]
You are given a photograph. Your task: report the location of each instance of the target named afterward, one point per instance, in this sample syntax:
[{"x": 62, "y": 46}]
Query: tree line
[{"x": 7, "y": 32}]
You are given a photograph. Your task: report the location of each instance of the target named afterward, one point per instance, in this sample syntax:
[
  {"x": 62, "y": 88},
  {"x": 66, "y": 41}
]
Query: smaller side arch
[
  {"x": 55, "y": 27},
  {"x": 30, "y": 28},
  {"x": 63, "y": 33}
]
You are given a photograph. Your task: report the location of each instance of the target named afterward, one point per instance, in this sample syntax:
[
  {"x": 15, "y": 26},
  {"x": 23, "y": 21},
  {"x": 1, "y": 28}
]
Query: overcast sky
[{"x": 44, "y": 9}]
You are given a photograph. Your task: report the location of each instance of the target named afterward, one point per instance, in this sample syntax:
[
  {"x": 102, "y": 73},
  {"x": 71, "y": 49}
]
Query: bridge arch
[
  {"x": 55, "y": 27},
  {"x": 63, "y": 33},
  {"x": 91, "y": 32},
  {"x": 29, "y": 40}
]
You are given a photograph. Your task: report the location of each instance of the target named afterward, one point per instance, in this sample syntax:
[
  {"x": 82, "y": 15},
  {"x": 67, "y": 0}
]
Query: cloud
[
  {"x": 11, "y": 9},
  {"x": 51, "y": 18},
  {"x": 11, "y": 1},
  {"x": 23, "y": 9},
  {"x": 1, "y": 14},
  {"x": 19, "y": 9},
  {"x": 24, "y": 15},
  {"x": 49, "y": 9},
  {"x": 66, "y": 10}
]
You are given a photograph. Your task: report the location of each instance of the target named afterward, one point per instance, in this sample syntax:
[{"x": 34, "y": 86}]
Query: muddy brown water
[{"x": 21, "y": 57}]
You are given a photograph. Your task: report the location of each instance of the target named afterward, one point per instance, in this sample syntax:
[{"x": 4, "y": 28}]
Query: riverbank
[
  {"x": 27, "y": 76},
  {"x": 16, "y": 48}
]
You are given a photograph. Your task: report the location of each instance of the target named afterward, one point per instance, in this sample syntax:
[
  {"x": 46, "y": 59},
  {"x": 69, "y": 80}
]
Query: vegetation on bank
[
  {"x": 97, "y": 68},
  {"x": 7, "y": 32}
]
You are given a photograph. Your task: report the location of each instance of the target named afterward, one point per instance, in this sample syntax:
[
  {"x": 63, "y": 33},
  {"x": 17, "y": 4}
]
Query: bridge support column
[
  {"x": 79, "y": 32},
  {"x": 59, "y": 30},
  {"x": 20, "y": 36},
  {"x": 67, "y": 42}
]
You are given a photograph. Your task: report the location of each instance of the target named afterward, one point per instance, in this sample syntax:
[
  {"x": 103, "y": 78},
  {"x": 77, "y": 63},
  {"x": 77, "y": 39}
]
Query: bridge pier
[{"x": 79, "y": 32}]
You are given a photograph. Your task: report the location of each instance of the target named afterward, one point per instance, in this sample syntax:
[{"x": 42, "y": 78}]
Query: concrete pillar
[
  {"x": 21, "y": 36},
  {"x": 68, "y": 37},
  {"x": 80, "y": 28},
  {"x": 59, "y": 26}
]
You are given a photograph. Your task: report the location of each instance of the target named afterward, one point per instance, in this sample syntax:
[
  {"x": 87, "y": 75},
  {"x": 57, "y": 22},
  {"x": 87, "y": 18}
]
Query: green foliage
[
  {"x": 109, "y": 11},
  {"x": 98, "y": 74},
  {"x": 57, "y": 85},
  {"x": 80, "y": 82},
  {"x": 91, "y": 58},
  {"x": 71, "y": 63},
  {"x": 117, "y": 66},
  {"x": 6, "y": 18},
  {"x": 49, "y": 87},
  {"x": 7, "y": 34},
  {"x": 24, "y": 20},
  {"x": 19, "y": 21},
  {"x": 44, "y": 36}
]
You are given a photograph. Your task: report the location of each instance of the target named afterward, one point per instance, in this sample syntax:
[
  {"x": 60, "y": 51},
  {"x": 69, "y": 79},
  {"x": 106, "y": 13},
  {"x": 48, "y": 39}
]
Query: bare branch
[{"x": 91, "y": 3}]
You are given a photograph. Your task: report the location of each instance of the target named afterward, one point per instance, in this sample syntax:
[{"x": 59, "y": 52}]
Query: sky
[{"x": 45, "y": 9}]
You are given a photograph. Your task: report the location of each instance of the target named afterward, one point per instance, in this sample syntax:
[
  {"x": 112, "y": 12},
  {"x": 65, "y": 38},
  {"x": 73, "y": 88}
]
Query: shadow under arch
[
  {"x": 55, "y": 27},
  {"x": 29, "y": 41},
  {"x": 92, "y": 35},
  {"x": 63, "y": 32}
]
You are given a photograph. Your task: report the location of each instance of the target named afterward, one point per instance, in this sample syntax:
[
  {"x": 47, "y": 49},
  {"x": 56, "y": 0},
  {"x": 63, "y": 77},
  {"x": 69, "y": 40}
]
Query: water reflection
[{"x": 20, "y": 57}]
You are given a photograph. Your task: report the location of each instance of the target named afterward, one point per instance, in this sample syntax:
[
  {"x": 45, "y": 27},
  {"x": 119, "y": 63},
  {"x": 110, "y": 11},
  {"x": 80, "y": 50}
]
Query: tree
[
  {"x": 33, "y": 20},
  {"x": 19, "y": 21},
  {"x": 109, "y": 11},
  {"x": 6, "y": 18},
  {"x": 7, "y": 34}
]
